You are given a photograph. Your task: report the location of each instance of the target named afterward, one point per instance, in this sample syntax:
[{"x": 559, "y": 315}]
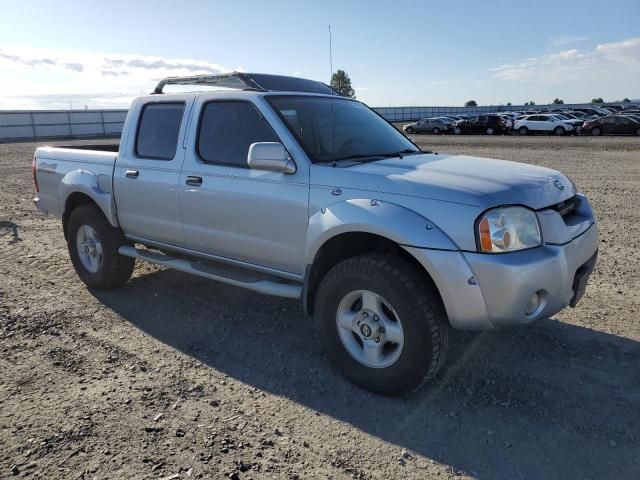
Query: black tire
[
  {"x": 409, "y": 130},
  {"x": 436, "y": 130},
  {"x": 596, "y": 131},
  {"x": 559, "y": 131},
  {"x": 114, "y": 269},
  {"x": 638, "y": 132},
  {"x": 490, "y": 131},
  {"x": 523, "y": 131},
  {"x": 457, "y": 131},
  {"x": 418, "y": 305}
]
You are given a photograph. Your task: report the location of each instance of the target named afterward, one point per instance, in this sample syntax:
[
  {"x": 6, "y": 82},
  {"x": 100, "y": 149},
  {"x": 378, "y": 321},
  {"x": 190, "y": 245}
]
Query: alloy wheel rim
[
  {"x": 89, "y": 247},
  {"x": 369, "y": 329}
]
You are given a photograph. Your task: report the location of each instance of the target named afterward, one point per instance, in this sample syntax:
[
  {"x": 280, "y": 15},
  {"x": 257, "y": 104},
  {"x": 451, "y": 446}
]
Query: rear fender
[{"x": 98, "y": 187}]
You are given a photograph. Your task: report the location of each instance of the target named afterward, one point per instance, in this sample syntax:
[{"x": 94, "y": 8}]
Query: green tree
[
  {"x": 508, "y": 104},
  {"x": 597, "y": 100},
  {"x": 341, "y": 83},
  {"x": 626, "y": 100},
  {"x": 471, "y": 103},
  {"x": 532, "y": 102},
  {"x": 558, "y": 101}
]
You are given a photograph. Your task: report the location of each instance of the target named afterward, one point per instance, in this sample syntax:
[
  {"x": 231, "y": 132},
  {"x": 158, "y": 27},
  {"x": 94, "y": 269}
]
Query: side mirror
[{"x": 270, "y": 156}]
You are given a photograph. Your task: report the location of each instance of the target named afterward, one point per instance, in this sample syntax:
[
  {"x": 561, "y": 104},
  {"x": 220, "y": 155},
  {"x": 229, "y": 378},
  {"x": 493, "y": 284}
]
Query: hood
[{"x": 481, "y": 182}]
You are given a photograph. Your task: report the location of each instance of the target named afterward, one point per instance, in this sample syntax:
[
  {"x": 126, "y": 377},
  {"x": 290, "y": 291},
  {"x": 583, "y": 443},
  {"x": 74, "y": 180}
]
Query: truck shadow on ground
[{"x": 550, "y": 401}]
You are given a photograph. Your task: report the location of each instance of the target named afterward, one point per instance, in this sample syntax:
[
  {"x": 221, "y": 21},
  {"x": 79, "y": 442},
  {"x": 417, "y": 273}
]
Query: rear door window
[{"x": 158, "y": 130}]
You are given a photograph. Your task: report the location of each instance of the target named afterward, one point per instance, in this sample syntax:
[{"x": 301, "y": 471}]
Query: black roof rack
[{"x": 249, "y": 81}]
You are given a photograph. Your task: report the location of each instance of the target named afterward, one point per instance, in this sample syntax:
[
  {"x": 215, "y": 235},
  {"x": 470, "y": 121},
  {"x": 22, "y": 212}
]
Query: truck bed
[{"x": 87, "y": 168}]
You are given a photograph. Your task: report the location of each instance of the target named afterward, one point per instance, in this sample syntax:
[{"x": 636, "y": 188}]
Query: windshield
[{"x": 332, "y": 129}]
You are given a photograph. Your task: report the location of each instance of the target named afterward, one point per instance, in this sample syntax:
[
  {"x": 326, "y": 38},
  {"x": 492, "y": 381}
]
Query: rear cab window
[{"x": 158, "y": 130}]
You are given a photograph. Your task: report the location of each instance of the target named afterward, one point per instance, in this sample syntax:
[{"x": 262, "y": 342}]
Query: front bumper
[{"x": 486, "y": 291}]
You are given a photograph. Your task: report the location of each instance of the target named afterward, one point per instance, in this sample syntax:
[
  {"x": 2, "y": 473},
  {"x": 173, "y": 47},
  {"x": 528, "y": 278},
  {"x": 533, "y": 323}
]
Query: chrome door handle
[
  {"x": 194, "y": 181},
  {"x": 131, "y": 173}
]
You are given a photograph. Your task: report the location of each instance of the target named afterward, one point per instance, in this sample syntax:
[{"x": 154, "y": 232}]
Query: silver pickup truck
[{"x": 280, "y": 186}]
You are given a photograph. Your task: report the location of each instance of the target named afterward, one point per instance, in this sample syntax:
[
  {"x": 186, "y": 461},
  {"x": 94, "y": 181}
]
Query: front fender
[
  {"x": 389, "y": 220},
  {"x": 95, "y": 186}
]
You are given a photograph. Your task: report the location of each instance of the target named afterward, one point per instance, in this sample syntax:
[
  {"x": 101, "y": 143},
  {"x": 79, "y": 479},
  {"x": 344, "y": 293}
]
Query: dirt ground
[{"x": 173, "y": 376}]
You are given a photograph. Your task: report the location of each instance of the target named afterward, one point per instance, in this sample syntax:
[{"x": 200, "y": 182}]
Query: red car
[{"x": 612, "y": 124}]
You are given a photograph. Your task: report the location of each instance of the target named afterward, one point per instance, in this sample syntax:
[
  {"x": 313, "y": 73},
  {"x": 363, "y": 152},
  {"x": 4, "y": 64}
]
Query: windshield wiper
[
  {"x": 363, "y": 156},
  {"x": 406, "y": 151}
]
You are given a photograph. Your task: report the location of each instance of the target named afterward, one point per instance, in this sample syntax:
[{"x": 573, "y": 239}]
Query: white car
[{"x": 542, "y": 123}]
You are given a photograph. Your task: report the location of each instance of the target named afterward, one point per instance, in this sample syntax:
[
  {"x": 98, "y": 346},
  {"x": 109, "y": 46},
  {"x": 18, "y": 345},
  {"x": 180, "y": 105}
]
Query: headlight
[{"x": 508, "y": 229}]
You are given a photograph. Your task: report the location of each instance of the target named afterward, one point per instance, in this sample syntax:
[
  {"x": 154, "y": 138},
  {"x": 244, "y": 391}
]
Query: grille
[{"x": 567, "y": 207}]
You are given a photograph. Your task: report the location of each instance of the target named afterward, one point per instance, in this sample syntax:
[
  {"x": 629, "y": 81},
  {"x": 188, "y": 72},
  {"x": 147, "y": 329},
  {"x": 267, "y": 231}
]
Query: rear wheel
[
  {"x": 596, "y": 131},
  {"x": 382, "y": 324},
  {"x": 93, "y": 247},
  {"x": 489, "y": 131},
  {"x": 436, "y": 130},
  {"x": 409, "y": 130},
  {"x": 558, "y": 131},
  {"x": 523, "y": 131},
  {"x": 638, "y": 132},
  {"x": 457, "y": 131}
]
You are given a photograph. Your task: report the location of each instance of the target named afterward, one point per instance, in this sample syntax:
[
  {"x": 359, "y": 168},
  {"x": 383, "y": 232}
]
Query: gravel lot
[{"x": 174, "y": 376}]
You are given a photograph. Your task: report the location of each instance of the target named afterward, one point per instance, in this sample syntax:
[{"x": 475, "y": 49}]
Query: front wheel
[
  {"x": 457, "y": 131},
  {"x": 638, "y": 132},
  {"x": 523, "y": 131},
  {"x": 490, "y": 131},
  {"x": 382, "y": 324},
  {"x": 409, "y": 130},
  {"x": 93, "y": 247},
  {"x": 436, "y": 130},
  {"x": 596, "y": 132},
  {"x": 559, "y": 131}
]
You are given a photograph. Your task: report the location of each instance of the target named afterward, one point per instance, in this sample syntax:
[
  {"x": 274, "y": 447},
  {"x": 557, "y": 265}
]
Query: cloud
[
  {"x": 69, "y": 72},
  {"x": 112, "y": 73},
  {"x": 562, "y": 40},
  {"x": 76, "y": 67},
  {"x": 627, "y": 51},
  {"x": 575, "y": 65},
  {"x": 35, "y": 61}
]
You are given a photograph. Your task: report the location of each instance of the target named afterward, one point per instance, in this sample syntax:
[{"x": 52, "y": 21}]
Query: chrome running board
[{"x": 218, "y": 271}]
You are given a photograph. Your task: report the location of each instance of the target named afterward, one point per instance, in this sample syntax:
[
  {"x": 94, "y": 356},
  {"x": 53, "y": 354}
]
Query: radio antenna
[
  {"x": 330, "y": 57},
  {"x": 333, "y": 120}
]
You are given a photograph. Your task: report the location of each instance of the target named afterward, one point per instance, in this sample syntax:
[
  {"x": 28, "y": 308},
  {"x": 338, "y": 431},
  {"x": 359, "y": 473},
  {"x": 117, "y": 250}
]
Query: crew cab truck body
[{"x": 282, "y": 187}]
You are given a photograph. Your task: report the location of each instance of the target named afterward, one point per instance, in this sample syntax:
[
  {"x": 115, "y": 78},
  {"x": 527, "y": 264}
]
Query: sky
[{"x": 65, "y": 53}]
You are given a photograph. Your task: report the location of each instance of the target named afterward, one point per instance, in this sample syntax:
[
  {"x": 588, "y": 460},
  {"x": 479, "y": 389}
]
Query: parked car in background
[
  {"x": 543, "y": 124},
  {"x": 591, "y": 111},
  {"x": 433, "y": 125},
  {"x": 508, "y": 120},
  {"x": 489, "y": 124},
  {"x": 576, "y": 122},
  {"x": 612, "y": 124}
]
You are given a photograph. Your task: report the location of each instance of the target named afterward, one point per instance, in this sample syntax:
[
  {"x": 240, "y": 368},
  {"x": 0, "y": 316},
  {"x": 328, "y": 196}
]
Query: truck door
[
  {"x": 147, "y": 171},
  {"x": 256, "y": 217}
]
